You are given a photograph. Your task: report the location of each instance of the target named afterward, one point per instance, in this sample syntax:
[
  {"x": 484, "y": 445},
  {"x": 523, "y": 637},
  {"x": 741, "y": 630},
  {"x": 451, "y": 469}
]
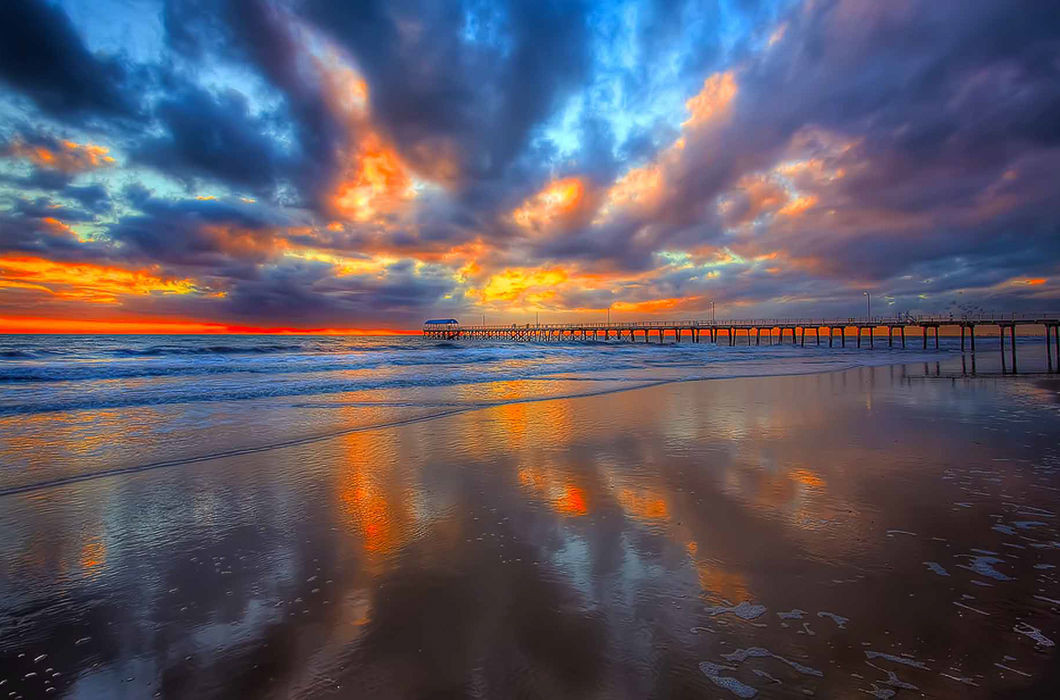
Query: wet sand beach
[{"x": 876, "y": 530}]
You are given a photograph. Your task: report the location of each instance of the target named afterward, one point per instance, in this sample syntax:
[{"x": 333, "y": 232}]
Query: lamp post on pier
[{"x": 868, "y": 306}]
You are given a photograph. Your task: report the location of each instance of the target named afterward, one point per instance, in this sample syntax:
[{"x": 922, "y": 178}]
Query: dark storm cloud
[
  {"x": 943, "y": 97},
  {"x": 214, "y": 235},
  {"x": 311, "y": 293},
  {"x": 213, "y": 136},
  {"x": 93, "y": 198},
  {"x": 434, "y": 89},
  {"x": 307, "y": 294},
  {"x": 42, "y": 207},
  {"x": 29, "y": 234},
  {"x": 42, "y": 56},
  {"x": 38, "y": 179},
  {"x": 262, "y": 36}
]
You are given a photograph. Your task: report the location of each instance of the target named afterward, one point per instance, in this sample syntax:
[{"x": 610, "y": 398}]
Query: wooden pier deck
[{"x": 751, "y": 331}]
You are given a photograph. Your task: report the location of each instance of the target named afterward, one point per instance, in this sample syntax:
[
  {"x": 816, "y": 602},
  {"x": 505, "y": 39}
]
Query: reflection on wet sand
[{"x": 841, "y": 534}]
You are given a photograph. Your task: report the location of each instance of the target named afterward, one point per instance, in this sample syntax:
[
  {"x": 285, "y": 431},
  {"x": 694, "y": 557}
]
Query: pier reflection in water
[{"x": 874, "y": 530}]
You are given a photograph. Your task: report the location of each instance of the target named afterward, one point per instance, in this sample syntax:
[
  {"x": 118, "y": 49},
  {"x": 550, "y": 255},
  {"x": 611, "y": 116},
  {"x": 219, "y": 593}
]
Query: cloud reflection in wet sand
[{"x": 774, "y": 532}]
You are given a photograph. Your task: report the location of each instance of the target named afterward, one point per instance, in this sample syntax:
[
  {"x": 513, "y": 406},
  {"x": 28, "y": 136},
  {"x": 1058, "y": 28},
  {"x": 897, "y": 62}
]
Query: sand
[{"x": 877, "y": 530}]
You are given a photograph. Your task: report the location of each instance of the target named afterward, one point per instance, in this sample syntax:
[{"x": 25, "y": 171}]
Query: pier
[{"x": 836, "y": 332}]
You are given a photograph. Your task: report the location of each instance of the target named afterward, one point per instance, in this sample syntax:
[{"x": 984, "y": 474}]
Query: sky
[{"x": 285, "y": 165}]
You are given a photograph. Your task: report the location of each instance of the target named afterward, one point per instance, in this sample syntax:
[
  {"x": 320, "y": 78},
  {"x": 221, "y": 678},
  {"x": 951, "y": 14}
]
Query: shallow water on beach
[
  {"x": 75, "y": 407},
  {"x": 883, "y": 529}
]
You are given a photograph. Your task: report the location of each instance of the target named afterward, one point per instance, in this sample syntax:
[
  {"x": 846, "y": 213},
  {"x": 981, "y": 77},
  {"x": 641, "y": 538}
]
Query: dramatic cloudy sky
[{"x": 331, "y": 165}]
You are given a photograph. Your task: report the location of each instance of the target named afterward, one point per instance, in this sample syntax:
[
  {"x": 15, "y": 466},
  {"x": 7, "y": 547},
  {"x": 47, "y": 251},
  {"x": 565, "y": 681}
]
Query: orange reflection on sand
[
  {"x": 730, "y": 585},
  {"x": 714, "y": 579},
  {"x": 370, "y": 509},
  {"x": 93, "y": 554},
  {"x": 643, "y": 506},
  {"x": 572, "y": 502},
  {"x": 370, "y": 496},
  {"x": 44, "y": 440},
  {"x": 564, "y": 497},
  {"x": 807, "y": 477}
]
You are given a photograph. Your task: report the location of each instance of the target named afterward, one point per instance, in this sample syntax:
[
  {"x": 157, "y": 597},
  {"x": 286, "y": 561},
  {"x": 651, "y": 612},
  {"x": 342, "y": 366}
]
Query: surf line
[{"x": 137, "y": 468}]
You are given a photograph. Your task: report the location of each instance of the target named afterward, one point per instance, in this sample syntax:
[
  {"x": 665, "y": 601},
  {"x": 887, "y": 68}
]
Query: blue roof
[{"x": 441, "y": 322}]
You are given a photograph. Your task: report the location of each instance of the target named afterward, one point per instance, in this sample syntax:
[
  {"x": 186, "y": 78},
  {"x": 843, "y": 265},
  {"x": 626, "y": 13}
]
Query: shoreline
[{"x": 310, "y": 439}]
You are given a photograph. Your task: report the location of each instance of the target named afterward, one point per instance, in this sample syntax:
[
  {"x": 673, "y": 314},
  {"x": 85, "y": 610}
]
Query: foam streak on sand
[
  {"x": 1034, "y": 633},
  {"x": 745, "y": 610},
  {"x": 741, "y": 655},
  {"x": 733, "y": 685}
]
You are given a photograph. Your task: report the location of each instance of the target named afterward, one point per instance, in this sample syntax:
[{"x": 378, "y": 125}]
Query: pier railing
[{"x": 808, "y": 322}]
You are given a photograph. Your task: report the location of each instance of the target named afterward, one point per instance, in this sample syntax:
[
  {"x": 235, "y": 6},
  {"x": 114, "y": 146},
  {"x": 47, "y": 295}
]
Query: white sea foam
[
  {"x": 904, "y": 660},
  {"x": 937, "y": 568},
  {"x": 1034, "y": 633},
  {"x": 745, "y": 610},
  {"x": 741, "y": 655},
  {"x": 733, "y": 685}
]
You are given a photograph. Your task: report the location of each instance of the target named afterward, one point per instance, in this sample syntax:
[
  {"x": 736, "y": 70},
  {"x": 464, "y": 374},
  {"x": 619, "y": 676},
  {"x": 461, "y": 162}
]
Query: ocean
[{"x": 74, "y": 407}]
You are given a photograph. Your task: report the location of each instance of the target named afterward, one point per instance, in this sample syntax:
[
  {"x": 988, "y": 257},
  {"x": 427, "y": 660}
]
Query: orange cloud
[
  {"x": 344, "y": 266},
  {"x": 243, "y": 243},
  {"x": 652, "y": 306},
  {"x": 559, "y": 202},
  {"x": 713, "y": 100},
  {"x": 65, "y": 156},
  {"x": 644, "y": 186},
  {"x": 798, "y": 205},
  {"x": 85, "y": 282},
  {"x": 639, "y": 187},
  {"x": 761, "y": 195},
  {"x": 373, "y": 180},
  {"x": 57, "y": 227},
  {"x": 376, "y": 182},
  {"x": 528, "y": 286}
]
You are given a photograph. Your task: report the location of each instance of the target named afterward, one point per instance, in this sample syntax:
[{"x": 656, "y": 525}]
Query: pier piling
[{"x": 451, "y": 329}]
